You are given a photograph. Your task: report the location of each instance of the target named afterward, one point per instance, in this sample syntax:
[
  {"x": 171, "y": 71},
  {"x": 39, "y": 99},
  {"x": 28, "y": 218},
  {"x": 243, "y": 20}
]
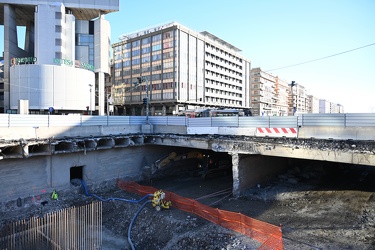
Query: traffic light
[
  {"x": 139, "y": 80},
  {"x": 145, "y": 100}
]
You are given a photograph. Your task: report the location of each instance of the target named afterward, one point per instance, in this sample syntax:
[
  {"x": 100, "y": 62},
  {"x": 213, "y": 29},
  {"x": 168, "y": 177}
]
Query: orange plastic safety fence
[{"x": 270, "y": 236}]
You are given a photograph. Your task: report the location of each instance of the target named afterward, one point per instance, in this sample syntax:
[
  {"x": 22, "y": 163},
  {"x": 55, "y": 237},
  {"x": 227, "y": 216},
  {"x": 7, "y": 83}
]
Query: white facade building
[
  {"x": 313, "y": 104},
  {"x": 324, "y": 106},
  {"x": 65, "y": 59},
  {"x": 269, "y": 94}
]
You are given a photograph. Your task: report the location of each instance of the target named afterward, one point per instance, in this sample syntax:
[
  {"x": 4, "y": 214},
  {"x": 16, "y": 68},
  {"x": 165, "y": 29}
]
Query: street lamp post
[
  {"x": 90, "y": 98},
  {"x": 292, "y": 84},
  {"x": 147, "y": 110},
  {"x": 145, "y": 100}
]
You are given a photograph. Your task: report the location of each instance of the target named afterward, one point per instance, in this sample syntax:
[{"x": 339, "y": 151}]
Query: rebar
[{"x": 70, "y": 228}]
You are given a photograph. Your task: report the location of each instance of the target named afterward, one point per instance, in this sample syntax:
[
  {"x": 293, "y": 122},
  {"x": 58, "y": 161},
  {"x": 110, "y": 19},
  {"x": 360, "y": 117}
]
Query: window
[
  {"x": 58, "y": 55},
  {"x": 155, "y": 77},
  {"x": 136, "y": 61},
  {"x": 167, "y": 45},
  {"x": 58, "y": 28},
  {"x": 58, "y": 15},
  {"x": 167, "y": 55},
  {"x": 145, "y": 69},
  {"x": 156, "y": 57},
  {"x": 156, "y": 47},
  {"x": 135, "y": 52},
  {"x": 136, "y": 71},
  {"x": 126, "y": 55},
  {"x": 145, "y": 59},
  {"x": 156, "y": 67},
  {"x": 168, "y": 65},
  {"x": 156, "y": 38},
  {"x": 146, "y": 50},
  {"x": 126, "y": 63},
  {"x": 58, "y": 42},
  {"x": 135, "y": 43},
  {"x": 146, "y": 40},
  {"x": 168, "y": 34}
]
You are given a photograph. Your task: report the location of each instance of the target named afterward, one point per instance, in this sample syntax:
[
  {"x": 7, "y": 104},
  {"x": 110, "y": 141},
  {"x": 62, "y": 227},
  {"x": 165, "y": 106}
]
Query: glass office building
[{"x": 177, "y": 69}]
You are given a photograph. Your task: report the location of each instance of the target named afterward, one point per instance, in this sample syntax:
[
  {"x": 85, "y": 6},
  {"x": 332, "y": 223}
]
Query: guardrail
[{"x": 316, "y": 120}]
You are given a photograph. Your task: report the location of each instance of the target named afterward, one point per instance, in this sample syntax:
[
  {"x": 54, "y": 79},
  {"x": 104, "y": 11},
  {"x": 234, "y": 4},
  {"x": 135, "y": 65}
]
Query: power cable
[{"x": 297, "y": 64}]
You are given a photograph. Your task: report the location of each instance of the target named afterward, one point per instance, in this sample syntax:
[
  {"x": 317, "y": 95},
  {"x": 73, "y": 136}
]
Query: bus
[{"x": 213, "y": 113}]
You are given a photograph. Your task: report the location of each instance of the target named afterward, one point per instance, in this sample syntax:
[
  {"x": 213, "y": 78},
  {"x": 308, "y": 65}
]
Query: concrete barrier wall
[
  {"x": 221, "y": 131},
  {"x": 319, "y": 132},
  {"x": 202, "y": 130},
  {"x": 236, "y": 131},
  {"x": 337, "y": 133},
  {"x": 169, "y": 129},
  {"x": 16, "y": 133}
]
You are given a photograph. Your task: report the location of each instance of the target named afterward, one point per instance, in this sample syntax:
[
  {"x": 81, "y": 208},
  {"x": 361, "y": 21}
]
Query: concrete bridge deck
[{"x": 47, "y": 158}]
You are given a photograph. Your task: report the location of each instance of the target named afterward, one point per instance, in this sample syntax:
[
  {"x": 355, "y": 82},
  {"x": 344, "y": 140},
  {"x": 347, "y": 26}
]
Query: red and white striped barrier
[{"x": 276, "y": 132}]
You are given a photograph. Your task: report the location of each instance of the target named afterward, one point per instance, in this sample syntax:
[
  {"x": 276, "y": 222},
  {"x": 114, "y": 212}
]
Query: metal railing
[{"x": 340, "y": 120}]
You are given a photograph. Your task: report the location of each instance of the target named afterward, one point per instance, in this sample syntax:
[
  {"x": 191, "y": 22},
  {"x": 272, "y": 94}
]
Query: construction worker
[{"x": 54, "y": 195}]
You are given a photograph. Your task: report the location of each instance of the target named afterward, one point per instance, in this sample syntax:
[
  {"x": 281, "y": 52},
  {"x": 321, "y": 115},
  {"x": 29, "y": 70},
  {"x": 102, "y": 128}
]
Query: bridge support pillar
[{"x": 251, "y": 170}]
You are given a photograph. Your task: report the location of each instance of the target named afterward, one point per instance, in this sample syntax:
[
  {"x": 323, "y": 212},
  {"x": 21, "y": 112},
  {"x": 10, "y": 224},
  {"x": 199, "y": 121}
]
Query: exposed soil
[{"x": 325, "y": 206}]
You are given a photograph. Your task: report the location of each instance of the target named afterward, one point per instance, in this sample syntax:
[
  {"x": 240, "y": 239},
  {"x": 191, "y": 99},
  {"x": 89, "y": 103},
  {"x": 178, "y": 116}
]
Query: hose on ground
[
  {"x": 112, "y": 198},
  {"x": 121, "y": 199},
  {"x": 132, "y": 221}
]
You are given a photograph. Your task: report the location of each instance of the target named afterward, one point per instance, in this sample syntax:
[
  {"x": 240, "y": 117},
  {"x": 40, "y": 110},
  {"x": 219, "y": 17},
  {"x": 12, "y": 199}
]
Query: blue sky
[{"x": 278, "y": 33}]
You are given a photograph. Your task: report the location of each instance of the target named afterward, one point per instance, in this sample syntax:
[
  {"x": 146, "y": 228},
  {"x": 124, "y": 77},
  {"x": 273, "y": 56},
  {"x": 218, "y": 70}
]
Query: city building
[
  {"x": 324, "y": 106},
  {"x": 269, "y": 94},
  {"x": 65, "y": 59},
  {"x": 298, "y": 99},
  {"x": 169, "y": 69},
  {"x": 330, "y": 107},
  {"x": 312, "y": 104}
]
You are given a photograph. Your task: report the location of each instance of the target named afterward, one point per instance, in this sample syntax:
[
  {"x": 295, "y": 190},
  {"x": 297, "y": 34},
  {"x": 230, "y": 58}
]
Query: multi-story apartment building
[
  {"x": 324, "y": 106},
  {"x": 312, "y": 104},
  {"x": 178, "y": 69},
  {"x": 66, "y": 56},
  {"x": 298, "y": 100},
  {"x": 269, "y": 94}
]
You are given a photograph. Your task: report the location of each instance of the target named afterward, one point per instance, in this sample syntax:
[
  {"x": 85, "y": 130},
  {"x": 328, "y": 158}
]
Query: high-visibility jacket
[{"x": 54, "y": 195}]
